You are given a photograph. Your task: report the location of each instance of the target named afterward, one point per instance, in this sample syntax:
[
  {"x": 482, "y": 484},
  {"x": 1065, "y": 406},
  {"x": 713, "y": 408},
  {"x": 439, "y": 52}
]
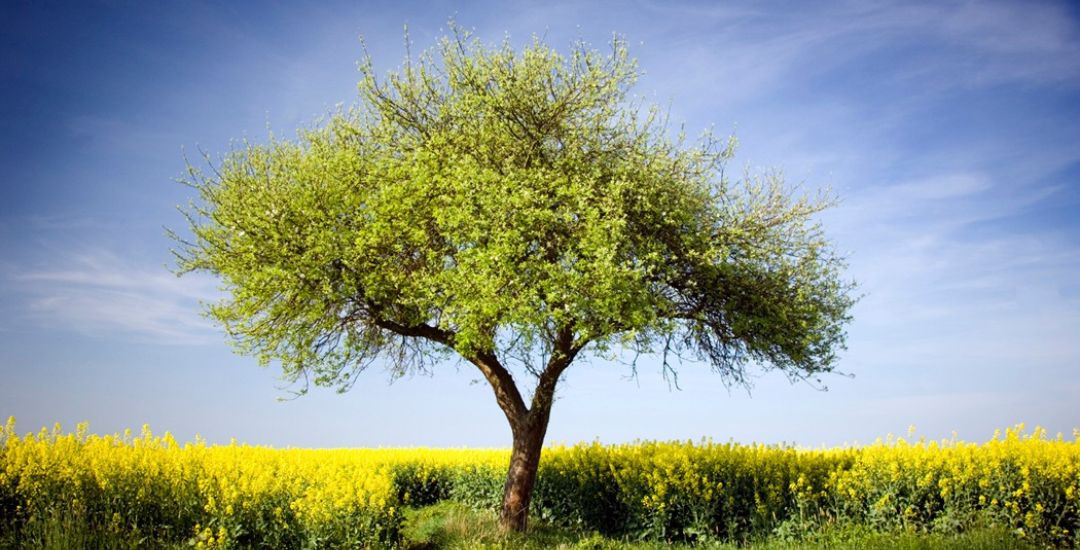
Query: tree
[{"x": 517, "y": 210}]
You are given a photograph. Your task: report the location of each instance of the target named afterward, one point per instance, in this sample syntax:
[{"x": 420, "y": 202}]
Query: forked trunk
[
  {"x": 524, "y": 463},
  {"x": 528, "y": 425}
]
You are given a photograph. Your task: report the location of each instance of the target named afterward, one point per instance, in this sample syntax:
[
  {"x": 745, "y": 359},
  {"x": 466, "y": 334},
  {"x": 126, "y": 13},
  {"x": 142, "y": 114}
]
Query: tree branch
[
  {"x": 564, "y": 350},
  {"x": 506, "y": 391}
]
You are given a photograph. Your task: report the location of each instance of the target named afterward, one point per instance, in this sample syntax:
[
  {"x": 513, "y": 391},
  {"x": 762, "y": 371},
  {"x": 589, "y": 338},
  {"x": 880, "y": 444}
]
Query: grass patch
[
  {"x": 453, "y": 526},
  {"x": 449, "y": 525},
  {"x": 65, "y": 529},
  {"x": 860, "y": 538}
]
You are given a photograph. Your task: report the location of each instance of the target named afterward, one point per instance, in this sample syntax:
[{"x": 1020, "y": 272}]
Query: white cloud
[
  {"x": 981, "y": 43},
  {"x": 743, "y": 54},
  {"x": 951, "y": 281},
  {"x": 947, "y": 186},
  {"x": 100, "y": 294}
]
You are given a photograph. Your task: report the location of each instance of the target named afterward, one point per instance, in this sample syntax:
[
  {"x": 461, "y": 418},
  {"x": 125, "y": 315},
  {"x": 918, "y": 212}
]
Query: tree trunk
[
  {"x": 527, "y": 424},
  {"x": 524, "y": 463}
]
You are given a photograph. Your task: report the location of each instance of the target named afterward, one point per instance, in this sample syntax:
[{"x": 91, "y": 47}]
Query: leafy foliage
[{"x": 515, "y": 207}]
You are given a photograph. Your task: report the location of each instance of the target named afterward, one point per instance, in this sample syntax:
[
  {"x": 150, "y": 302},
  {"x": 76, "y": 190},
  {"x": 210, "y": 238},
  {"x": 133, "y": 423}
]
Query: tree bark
[
  {"x": 524, "y": 464},
  {"x": 528, "y": 424}
]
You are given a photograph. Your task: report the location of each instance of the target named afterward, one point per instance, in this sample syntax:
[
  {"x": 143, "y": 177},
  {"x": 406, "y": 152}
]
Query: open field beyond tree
[{"x": 152, "y": 490}]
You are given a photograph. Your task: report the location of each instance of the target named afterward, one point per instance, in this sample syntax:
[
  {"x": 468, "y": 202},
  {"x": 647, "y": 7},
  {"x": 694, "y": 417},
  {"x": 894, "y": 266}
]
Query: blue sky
[{"x": 950, "y": 129}]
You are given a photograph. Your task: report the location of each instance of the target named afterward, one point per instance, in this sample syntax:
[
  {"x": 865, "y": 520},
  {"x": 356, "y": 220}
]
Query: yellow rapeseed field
[{"x": 244, "y": 497}]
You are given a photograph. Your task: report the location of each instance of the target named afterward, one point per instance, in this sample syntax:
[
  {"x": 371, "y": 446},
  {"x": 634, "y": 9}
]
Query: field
[{"x": 62, "y": 490}]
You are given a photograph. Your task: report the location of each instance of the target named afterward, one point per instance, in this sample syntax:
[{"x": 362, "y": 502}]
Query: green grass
[
  {"x": 452, "y": 526},
  {"x": 64, "y": 529},
  {"x": 858, "y": 539}
]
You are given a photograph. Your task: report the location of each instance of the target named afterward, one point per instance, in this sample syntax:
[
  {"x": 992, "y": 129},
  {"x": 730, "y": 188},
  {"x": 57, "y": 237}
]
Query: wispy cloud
[
  {"x": 945, "y": 45},
  {"x": 994, "y": 42},
  {"x": 101, "y": 294},
  {"x": 952, "y": 278}
]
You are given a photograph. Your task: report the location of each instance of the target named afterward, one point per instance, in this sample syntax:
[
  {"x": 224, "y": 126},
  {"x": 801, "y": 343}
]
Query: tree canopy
[{"x": 514, "y": 209}]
